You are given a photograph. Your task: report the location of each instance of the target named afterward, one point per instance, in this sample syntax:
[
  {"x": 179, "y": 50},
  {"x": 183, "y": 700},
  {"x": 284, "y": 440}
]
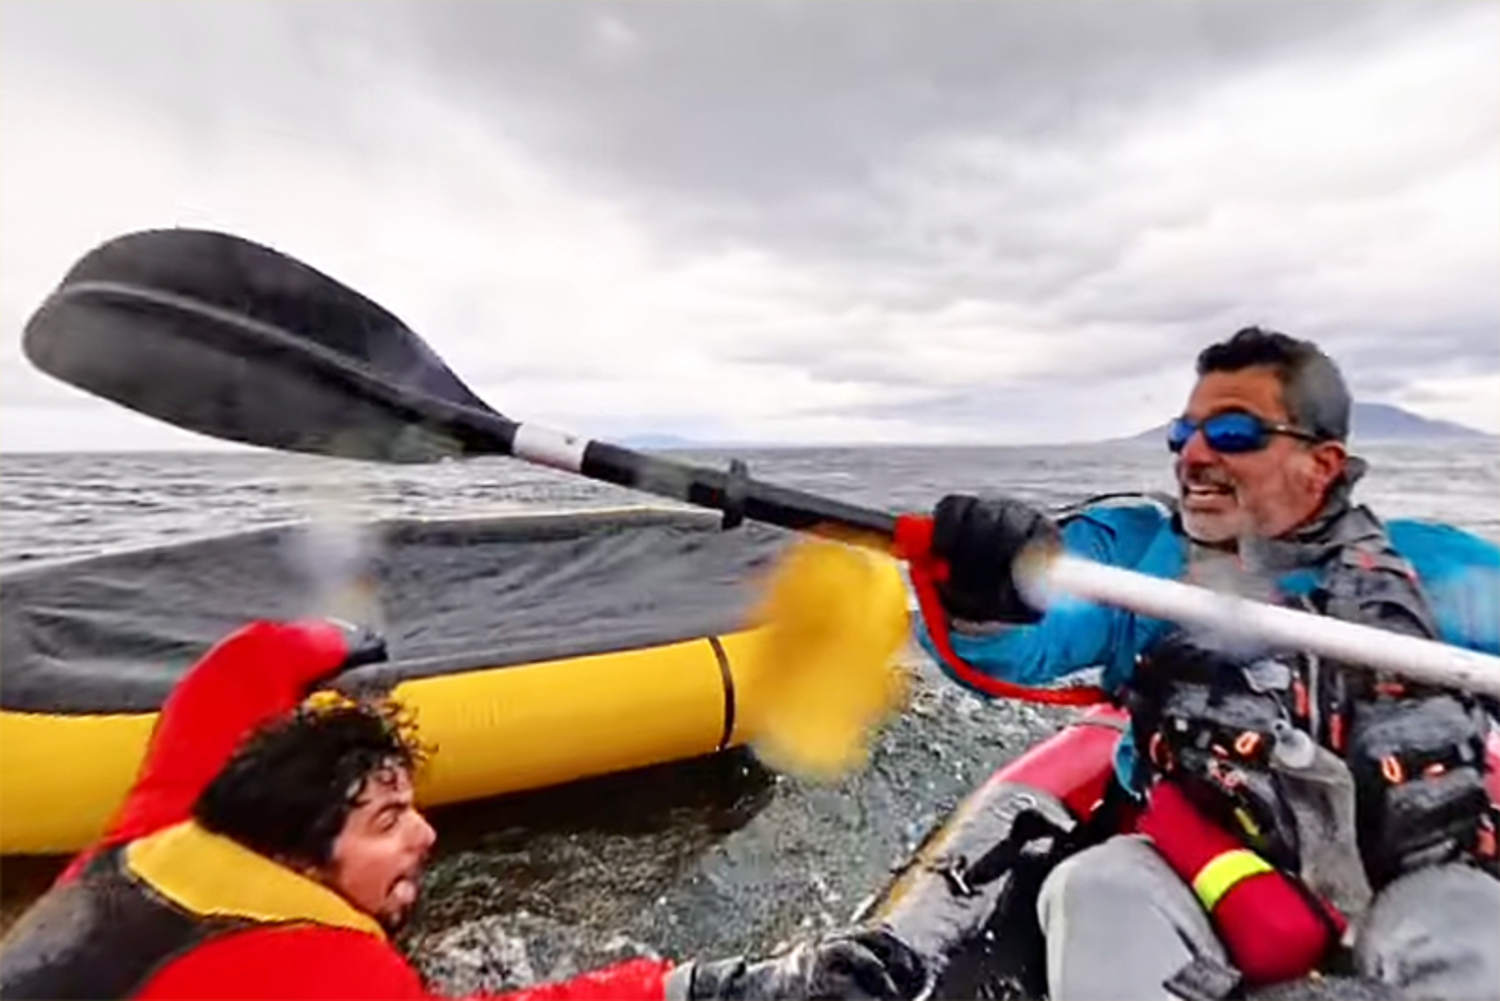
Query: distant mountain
[
  {"x": 1383, "y": 422},
  {"x": 1377, "y": 422}
]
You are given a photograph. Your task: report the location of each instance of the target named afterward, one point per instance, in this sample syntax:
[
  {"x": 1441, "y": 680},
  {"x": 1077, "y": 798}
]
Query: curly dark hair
[
  {"x": 288, "y": 788},
  {"x": 1311, "y": 385}
]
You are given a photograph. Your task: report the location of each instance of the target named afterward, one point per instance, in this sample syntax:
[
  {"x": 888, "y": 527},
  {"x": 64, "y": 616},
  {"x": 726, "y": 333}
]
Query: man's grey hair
[{"x": 1312, "y": 387}]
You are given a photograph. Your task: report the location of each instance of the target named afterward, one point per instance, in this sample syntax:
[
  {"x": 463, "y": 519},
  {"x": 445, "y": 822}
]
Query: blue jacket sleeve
[
  {"x": 1074, "y": 635},
  {"x": 1461, "y": 574}
]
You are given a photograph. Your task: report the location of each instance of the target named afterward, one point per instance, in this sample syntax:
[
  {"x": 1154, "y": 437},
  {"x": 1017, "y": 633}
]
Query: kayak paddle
[
  {"x": 229, "y": 338},
  {"x": 232, "y": 339}
]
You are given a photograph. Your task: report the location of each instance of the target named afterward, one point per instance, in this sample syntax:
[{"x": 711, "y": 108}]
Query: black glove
[
  {"x": 1418, "y": 765},
  {"x": 979, "y": 539},
  {"x": 364, "y": 644},
  {"x": 870, "y": 963}
]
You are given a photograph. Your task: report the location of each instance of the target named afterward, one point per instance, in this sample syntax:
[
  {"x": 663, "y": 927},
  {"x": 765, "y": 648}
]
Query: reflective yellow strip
[{"x": 1224, "y": 871}]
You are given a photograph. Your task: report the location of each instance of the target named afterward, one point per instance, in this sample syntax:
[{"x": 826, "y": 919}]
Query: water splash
[{"x": 337, "y": 559}]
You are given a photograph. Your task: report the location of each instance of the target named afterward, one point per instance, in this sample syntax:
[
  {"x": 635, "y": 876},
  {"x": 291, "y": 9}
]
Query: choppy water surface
[
  {"x": 717, "y": 855},
  {"x": 78, "y": 504}
]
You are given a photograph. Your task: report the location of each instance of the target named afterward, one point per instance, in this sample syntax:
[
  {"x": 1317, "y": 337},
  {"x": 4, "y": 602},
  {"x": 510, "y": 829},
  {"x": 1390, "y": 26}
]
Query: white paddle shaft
[{"x": 1419, "y": 660}]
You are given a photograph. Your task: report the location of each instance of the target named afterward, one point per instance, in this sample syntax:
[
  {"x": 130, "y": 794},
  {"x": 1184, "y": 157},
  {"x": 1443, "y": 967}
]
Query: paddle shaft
[
  {"x": 1420, "y": 660},
  {"x": 734, "y": 492},
  {"x": 738, "y": 495},
  {"x": 230, "y": 338}
]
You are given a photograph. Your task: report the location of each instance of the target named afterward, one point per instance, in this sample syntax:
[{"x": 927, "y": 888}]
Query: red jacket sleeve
[
  {"x": 642, "y": 979},
  {"x": 321, "y": 964},
  {"x": 304, "y": 962},
  {"x": 254, "y": 674}
]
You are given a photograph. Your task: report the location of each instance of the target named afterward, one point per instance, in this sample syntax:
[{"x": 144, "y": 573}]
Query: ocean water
[
  {"x": 715, "y": 856},
  {"x": 64, "y": 505}
]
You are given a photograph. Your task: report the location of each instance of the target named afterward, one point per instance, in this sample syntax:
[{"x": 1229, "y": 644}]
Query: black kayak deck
[{"x": 113, "y": 633}]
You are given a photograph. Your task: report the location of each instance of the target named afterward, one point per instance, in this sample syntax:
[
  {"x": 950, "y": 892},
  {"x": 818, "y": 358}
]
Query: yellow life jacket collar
[{"x": 211, "y": 875}]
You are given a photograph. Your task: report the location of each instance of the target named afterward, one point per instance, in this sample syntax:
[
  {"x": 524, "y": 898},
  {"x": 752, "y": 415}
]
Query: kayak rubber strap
[
  {"x": 914, "y": 545},
  {"x": 727, "y": 678}
]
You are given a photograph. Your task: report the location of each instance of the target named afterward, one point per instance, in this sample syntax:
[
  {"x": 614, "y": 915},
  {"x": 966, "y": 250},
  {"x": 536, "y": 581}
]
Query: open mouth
[
  {"x": 1206, "y": 494},
  {"x": 404, "y": 890}
]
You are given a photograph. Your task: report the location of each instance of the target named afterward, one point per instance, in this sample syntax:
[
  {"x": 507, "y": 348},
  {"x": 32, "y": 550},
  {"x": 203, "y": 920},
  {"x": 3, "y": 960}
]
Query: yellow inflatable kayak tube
[{"x": 494, "y": 730}]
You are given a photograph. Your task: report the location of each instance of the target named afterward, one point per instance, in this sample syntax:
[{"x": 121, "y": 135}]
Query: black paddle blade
[{"x": 229, "y": 338}]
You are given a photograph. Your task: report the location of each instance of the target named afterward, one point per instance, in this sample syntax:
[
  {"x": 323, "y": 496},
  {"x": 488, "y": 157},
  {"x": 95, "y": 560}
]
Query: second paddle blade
[
  {"x": 231, "y": 339},
  {"x": 824, "y": 677}
]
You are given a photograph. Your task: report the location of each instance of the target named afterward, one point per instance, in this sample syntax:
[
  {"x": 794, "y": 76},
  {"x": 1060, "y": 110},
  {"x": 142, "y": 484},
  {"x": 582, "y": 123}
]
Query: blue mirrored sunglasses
[{"x": 1231, "y": 432}]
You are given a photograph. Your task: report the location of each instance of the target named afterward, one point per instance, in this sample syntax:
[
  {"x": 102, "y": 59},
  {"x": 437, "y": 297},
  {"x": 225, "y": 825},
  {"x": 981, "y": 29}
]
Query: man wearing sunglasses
[{"x": 1262, "y": 507}]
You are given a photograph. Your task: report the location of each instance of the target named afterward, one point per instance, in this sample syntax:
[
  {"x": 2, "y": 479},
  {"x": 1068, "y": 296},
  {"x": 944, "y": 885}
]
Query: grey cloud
[
  {"x": 903, "y": 156},
  {"x": 742, "y": 101},
  {"x": 760, "y": 98},
  {"x": 1018, "y": 411},
  {"x": 1410, "y": 350}
]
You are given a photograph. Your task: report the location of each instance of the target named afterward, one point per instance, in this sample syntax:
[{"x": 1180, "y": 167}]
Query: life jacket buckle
[
  {"x": 1247, "y": 743},
  {"x": 955, "y": 873},
  {"x": 736, "y": 488}
]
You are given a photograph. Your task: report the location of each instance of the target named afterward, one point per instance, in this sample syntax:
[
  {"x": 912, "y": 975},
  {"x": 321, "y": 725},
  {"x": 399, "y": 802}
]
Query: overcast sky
[{"x": 791, "y": 221}]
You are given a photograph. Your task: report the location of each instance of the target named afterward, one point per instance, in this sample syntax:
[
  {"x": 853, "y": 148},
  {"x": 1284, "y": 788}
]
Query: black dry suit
[{"x": 1232, "y": 725}]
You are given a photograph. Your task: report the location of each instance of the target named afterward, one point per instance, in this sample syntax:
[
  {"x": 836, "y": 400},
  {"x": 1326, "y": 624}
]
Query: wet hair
[
  {"x": 1311, "y": 385},
  {"x": 287, "y": 791}
]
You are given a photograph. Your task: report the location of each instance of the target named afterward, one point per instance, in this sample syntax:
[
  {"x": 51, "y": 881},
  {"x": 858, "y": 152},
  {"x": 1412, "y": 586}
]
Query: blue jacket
[{"x": 1460, "y": 573}]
